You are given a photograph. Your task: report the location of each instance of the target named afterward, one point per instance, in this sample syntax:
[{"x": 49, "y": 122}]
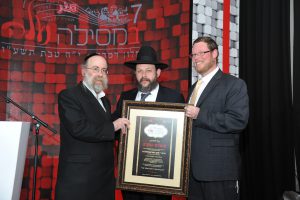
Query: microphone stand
[{"x": 38, "y": 123}]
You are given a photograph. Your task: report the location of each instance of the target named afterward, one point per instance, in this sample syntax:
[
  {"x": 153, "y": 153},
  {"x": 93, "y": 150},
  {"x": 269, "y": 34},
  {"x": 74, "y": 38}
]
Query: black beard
[{"x": 150, "y": 87}]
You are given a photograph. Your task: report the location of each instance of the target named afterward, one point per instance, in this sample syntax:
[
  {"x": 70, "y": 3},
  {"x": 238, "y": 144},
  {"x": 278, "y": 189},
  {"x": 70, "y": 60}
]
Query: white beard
[{"x": 96, "y": 87}]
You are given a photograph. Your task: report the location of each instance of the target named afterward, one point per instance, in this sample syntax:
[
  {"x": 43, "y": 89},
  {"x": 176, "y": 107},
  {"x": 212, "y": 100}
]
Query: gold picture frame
[{"x": 154, "y": 154}]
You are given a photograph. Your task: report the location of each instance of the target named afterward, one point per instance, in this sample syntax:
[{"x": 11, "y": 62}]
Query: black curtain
[
  {"x": 267, "y": 145},
  {"x": 296, "y": 81}
]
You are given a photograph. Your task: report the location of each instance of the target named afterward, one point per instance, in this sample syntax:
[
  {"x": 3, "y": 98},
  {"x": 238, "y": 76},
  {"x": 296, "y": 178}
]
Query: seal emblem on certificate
[{"x": 154, "y": 149}]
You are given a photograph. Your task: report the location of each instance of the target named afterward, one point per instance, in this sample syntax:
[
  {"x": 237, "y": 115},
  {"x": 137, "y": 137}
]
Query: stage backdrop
[
  {"x": 219, "y": 19},
  {"x": 43, "y": 43}
]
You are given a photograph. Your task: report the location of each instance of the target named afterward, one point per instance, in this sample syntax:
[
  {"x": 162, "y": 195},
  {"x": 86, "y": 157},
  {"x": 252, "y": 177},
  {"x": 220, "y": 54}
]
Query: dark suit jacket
[
  {"x": 164, "y": 95},
  {"x": 86, "y": 160},
  {"x": 224, "y": 112}
]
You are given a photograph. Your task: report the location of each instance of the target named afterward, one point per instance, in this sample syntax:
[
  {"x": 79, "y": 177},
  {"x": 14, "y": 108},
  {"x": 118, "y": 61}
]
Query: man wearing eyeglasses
[
  {"x": 218, "y": 105},
  {"x": 86, "y": 159}
]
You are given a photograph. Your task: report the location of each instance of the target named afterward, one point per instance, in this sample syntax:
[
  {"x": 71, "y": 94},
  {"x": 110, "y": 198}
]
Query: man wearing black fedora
[{"x": 147, "y": 70}]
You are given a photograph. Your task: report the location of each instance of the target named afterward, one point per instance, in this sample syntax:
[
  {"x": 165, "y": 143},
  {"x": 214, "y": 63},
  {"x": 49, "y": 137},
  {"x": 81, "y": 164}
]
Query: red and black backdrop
[{"x": 43, "y": 43}]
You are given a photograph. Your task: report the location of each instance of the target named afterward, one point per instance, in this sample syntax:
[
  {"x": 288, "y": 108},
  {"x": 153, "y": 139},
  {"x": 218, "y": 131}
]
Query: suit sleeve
[
  {"x": 181, "y": 99},
  {"x": 232, "y": 117},
  {"x": 118, "y": 112},
  {"x": 75, "y": 120}
]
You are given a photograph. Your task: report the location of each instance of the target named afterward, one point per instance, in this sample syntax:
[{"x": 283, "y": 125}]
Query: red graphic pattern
[{"x": 35, "y": 66}]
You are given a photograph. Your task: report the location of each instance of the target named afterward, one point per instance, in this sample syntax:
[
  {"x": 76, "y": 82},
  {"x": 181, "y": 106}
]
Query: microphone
[
  {"x": 9, "y": 100},
  {"x": 4, "y": 99}
]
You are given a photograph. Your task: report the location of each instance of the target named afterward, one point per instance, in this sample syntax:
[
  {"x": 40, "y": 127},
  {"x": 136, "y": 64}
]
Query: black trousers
[
  {"x": 213, "y": 190},
  {"x": 128, "y": 195}
]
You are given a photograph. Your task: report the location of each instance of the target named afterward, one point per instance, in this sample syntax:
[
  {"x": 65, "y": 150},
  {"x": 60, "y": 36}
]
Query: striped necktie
[
  {"x": 194, "y": 95},
  {"x": 144, "y": 96}
]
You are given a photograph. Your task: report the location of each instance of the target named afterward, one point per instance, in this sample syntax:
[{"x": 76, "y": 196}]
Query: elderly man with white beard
[{"x": 86, "y": 159}]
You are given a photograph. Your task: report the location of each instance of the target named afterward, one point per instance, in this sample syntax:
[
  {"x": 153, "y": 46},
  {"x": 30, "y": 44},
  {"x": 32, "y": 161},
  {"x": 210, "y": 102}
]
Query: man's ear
[
  {"x": 82, "y": 71},
  {"x": 158, "y": 72},
  {"x": 215, "y": 53}
]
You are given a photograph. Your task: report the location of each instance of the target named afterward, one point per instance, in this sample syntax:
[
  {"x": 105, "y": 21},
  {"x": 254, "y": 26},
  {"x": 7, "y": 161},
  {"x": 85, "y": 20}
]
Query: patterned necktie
[
  {"x": 144, "y": 96},
  {"x": 195, "y": 92}
]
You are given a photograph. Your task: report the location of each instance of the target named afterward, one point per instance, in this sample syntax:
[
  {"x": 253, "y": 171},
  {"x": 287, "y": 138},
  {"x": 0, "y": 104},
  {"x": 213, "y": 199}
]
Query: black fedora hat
[{"x": 146, "y": 55}]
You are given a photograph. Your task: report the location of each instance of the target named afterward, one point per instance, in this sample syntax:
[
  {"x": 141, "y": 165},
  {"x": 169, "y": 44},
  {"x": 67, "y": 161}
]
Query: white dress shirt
[
  {"x": 151, "y": 97},
  {"x": 205, "y": 80}
]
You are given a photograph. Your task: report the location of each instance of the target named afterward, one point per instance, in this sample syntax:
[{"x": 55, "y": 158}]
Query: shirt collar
[
  {"x": 153, "y": 92},
  {"x": 209, "y": 76}
]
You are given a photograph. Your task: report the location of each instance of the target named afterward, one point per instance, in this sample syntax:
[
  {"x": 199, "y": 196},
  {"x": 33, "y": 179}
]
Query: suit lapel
[
  {"x": 91, "y": 98},
  {"x": 210, "y": 86},
  {"x": 159, "y": 97},
  {"x": 132, "y": 95},
  {"x": 106, "y": 106}
]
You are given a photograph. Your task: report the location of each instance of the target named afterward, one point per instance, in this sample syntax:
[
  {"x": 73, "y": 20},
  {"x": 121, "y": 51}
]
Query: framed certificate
[{"x": 154, "y": 154}]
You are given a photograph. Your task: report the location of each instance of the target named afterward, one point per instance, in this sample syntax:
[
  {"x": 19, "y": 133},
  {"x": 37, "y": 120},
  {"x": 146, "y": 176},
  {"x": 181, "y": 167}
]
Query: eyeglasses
[
  {"x": 97, "y": 70},
  {"x": 200, "y": 53}
]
